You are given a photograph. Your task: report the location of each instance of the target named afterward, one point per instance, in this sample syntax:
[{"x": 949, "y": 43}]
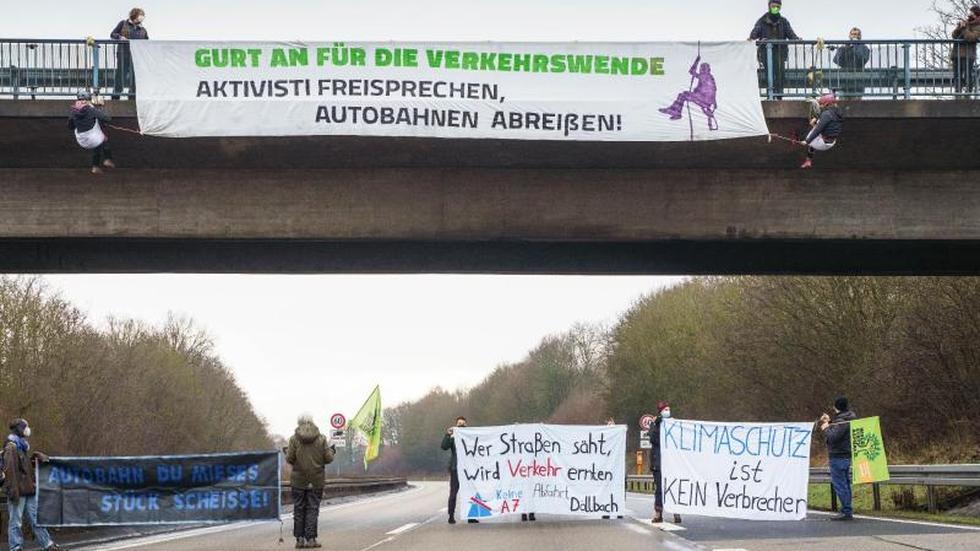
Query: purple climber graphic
[{"x": 705, "y": 96}]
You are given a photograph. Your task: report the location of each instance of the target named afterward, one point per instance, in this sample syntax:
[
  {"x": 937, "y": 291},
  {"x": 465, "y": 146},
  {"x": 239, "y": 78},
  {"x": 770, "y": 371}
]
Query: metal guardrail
[
  {"x": 930, "y": 476},
  {"x": 893, "y": 69}
]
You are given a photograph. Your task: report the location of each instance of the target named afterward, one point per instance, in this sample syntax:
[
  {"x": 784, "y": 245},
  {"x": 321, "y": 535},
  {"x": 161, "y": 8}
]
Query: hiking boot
[
  {"x": 523, "y": 517},
  {"x": 658, "y": 518},
  {"x": 677, "y": 518},
  {"x": 807, "y": 164},
  {"x": 843, "y": 517},
  {"x": 452, "y": 520},
  {"x": 531, "y": 518},
  {"x": 313, "y": 544},
  {"x": 300, "y": 543},
  {"x": 108, "y": 163},
  {"x": 96, "y": 170}
]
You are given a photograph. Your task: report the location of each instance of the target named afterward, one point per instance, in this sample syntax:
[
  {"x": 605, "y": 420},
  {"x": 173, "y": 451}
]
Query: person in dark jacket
[
  {"x": 853, "y": 57},
  {"x": 449, "y": 444},
  {"x": 84, "y": 120},
  {"x": 308, "y": 453},
  {"x": 126, "y": 30},
  {"x": 964, "y": 56},
  {"x": 837, "y": 431},
  {"x": 656, "y": 463},
  {"x": 773, "y": 26},
  {"x": 20, "y": 485},
  {"x": 826, "y": 129}
]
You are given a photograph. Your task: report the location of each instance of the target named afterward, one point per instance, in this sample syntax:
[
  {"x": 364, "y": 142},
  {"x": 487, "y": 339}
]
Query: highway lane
[{"x": 415, "y": 520}]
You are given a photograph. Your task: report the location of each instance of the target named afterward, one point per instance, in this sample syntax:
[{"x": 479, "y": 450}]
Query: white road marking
[
  {"x": 904, "y": 521},
  {"x": 663, "y": 526},
  {"x": 443, "y": 510},
  {"x": 402, "y": 528},
  {"x": 637, "y": 529},
  {"x": 730, "y": 549},
  {"x": 382, "y": 542}
]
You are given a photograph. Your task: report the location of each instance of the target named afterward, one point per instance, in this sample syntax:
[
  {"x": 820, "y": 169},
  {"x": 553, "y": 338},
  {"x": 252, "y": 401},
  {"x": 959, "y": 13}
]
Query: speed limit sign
[
  {"x": 338, "y": 421},
  {"x": 646, "y": 421}
]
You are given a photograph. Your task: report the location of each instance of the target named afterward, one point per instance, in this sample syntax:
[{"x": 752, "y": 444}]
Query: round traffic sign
[
  {"x": 338, "y": 421},
  {"x": 646, "y": 421}
]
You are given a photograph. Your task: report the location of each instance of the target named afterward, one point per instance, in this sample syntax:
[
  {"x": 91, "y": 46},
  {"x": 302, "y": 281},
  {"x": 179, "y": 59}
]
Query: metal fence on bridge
[
  {"x": 930, "y": 476},
  {"x": 882, "y": 69}
]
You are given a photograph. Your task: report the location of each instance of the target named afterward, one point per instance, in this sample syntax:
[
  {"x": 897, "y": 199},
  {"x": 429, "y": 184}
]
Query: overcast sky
[{"x": 319, "y": 344}]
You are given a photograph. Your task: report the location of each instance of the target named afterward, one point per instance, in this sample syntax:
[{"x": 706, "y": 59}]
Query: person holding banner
[
  {"x": 449, "y": 445},
  {"x": 838, "y": 436},
  {"x": 656, "y": 462},
  {"x": 20, "y": 487},
  {"x": 308, "y": 453}
]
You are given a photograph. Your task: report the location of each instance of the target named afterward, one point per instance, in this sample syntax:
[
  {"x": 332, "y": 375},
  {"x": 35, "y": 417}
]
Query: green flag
[
  {"x": 368, "y": 422},
  {"x": 868, "y": 461}
]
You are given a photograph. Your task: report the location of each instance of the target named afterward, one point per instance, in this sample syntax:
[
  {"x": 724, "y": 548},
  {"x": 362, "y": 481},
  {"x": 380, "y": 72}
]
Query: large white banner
[
  {"x": 548, "y": 469},
  {"x": 754, "y": 471},
  {"x": 657, "y": 91}
]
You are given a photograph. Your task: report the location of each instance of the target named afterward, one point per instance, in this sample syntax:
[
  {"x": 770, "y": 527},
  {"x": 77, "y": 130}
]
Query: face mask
[
  {"x": 27, "y": 432},
  {"x": 139, "y": 19},
  {"x": 774, "y": 10},
  {"x": 665, "y": 413}
]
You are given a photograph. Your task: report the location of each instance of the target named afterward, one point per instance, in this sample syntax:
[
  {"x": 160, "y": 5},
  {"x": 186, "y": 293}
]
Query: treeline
[
  {"x": 127, "y": 389},
  {"x": 745, "y": 349}
]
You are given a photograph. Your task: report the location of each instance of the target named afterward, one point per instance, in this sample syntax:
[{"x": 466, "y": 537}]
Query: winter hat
[
  {"x": 827, "y": 99},
  {"x": 777, "y": 2},
  {"x": 662, "y": 405},
  {"x": 841, "y": 403},
  {"x": 18, "y": 426},
  {"x": 84, "y": 96}
]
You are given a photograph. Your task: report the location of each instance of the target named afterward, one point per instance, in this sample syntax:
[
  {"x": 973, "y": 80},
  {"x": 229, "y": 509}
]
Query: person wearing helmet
[
  {"x": 826, "y": 129},
  {"x": 84, "y": 121},
  {"x": 20, "y": 487}
]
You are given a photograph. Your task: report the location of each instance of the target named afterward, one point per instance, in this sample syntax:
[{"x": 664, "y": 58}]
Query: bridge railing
[
  {"x": 895, "y": 69},
  {"x": 883, "y": 69},
  {"x": 930, "y": 476}
]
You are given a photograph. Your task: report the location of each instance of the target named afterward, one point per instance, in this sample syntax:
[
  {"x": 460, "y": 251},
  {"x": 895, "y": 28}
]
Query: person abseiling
[
  {"x": 826, "y": 129},
  {"x": 84, "y": 120}
]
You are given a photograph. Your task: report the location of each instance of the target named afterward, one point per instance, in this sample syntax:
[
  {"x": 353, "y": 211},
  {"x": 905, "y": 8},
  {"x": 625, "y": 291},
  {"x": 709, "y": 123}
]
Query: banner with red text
[{"x": 543, "y": 469}]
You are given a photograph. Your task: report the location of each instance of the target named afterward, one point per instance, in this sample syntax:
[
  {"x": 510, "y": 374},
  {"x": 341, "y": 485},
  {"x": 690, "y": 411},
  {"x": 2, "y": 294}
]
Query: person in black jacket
[
  {"x": 449, "y": 444},
  {"x": 837, "y": 431},
  {"x": 85, "y": 121},
  {"x": 126, "y": 30},
  {"x": 656, "y": 462},
  {"x": 826, "y": 129},
  {"x": 773, "y": 26},
  {"x": 853, "y": 57}
]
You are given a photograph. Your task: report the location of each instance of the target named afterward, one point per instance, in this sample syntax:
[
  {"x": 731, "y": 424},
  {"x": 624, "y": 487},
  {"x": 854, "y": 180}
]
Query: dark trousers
[
  {"x": 306, "y": 512},
  {"x": 840, "y": 479},
  {"x": 101, "y": 153},
  {"x": 658, "y": 498},
  {"x": 964, "y": 74},
  {"x": 124, "y": 72},
  {"x": 453, "y": 490}
]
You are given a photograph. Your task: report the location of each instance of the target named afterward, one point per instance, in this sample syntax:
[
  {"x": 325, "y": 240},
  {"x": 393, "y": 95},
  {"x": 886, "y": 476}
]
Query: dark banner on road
[{"x": 100, "y": 491}]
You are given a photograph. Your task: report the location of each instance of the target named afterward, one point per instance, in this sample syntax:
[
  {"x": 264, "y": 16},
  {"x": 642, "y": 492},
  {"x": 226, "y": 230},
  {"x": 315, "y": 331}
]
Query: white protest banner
[
  {"x": 546, "y": 469},
  {"x": 753, "y": 471},
  {"x": 657, "y": 91}
]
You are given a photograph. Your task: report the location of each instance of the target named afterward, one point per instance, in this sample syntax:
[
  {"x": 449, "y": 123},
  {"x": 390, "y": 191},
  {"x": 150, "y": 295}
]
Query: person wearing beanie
[
  {"x": 837, "y": 431},
  {"x": 20, "y": 486},
  {"x": 826, "y": 129},
  {"x": 773, "y": 26},
  {"x": 964, "y": 55},
  {"x": 656, "y": 462}
]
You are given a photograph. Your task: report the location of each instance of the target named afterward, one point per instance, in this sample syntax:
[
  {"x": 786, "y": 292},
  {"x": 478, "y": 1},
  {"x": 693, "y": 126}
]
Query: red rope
[
  {"x": 784, "y": 138},
  {"x": 124, "y": 129}
]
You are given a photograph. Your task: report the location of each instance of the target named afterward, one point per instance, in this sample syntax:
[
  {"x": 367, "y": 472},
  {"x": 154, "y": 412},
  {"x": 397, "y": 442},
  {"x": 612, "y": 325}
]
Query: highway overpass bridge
[{"x": 899, "y": 195}]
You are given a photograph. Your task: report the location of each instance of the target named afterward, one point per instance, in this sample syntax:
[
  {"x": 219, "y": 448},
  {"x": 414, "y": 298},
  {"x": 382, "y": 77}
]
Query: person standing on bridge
[
  {"x": 449, "y": 444},
  {"x": 656, "y": 462},
  {"x": 773, "y": 26},
  {"x": 853, "y": 57},
  {"x": 308, "y": 453},
  {"x": 84, "y": 120},
  {"x": 826, "y": 129},
  {"x": 838, "y": 436},
  {"x": 964, "y": 56},
  {"x": 20, "y": 486},
  {"x": 126, "y": 30}
]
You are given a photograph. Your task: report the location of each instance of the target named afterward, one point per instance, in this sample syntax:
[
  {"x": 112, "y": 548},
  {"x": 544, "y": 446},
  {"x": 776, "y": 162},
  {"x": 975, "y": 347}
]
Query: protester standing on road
[
  {"x": 126, "y": 30},
  {"x": 964, "y": 56},
  {"x": 826, "y": 129},
  {"x": 656, "y": 462},
  {"x": 308, "y": 453},
  {"x": 773, "y": 26},
  {"x": 853, "y": 57},
  {"x": 837, "y": 431},
  {"x": 84, "y": 120},
  {"x": 449, "y": 444},
  {"x": 20, "y": 485}
]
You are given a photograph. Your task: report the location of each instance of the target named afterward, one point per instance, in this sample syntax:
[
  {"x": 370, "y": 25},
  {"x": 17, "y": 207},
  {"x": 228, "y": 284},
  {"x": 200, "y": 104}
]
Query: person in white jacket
[{"x": 85, "y": 120}]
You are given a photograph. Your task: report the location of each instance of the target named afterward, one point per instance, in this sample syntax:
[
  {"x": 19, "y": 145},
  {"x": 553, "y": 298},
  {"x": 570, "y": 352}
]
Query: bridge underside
[{"x": 897, "y": 196}]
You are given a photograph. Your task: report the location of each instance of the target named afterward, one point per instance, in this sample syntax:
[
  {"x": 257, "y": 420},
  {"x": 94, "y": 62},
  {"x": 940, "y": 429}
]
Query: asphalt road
[{"x": 415, "y": 520}]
